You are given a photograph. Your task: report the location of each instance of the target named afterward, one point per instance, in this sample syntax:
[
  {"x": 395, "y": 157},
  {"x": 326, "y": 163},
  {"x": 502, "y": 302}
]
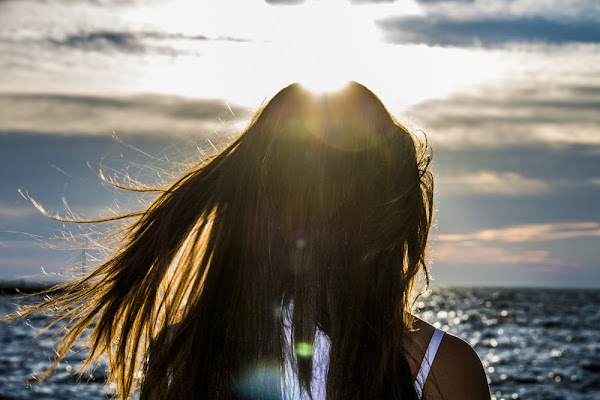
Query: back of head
[
  {"x": 324, "y": 203},
  {"x": 336, "y": 180}
]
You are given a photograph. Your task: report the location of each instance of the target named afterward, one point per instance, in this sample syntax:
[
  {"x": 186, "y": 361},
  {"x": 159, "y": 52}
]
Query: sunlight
[
  {"x": 323, "y": 84},
  {"x": 247, "y": 56},
  {"x": 327, "y": 39}
]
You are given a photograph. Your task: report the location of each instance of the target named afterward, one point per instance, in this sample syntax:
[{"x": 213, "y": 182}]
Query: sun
[
  {"x": 327, "y": 41},
  {"x": 323, "y": 84}
]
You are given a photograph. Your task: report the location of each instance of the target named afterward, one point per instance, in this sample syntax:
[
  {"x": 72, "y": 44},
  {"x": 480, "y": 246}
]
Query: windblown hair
[{"x": 320, "y": 209}]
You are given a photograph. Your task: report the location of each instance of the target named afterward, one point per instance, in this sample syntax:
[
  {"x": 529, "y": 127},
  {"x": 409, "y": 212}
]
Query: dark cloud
[
  {"x": 560, "y": 164},
  {"x": 587, "y": 90},
  {"x": 488, "y": 32},
  {"x": 168, "y": 105},
  {"x": 515, "y": 112},
  {"x": 515, "y": 154},
  {"x": 142, "y": 114},
  {"x": 130, "y": 42},
  {"x": 556, "y": 114},
  {"x": 101, "y": 41}
]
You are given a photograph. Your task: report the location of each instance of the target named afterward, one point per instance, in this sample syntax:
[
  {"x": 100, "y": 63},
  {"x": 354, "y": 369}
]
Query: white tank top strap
[{"x": 434, "y": 344}]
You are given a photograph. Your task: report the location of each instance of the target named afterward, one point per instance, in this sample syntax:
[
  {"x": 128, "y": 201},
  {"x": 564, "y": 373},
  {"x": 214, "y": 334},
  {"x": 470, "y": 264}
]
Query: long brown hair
[{"x": 323, "y": 203}]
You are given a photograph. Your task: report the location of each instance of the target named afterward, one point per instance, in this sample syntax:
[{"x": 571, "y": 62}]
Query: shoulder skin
[{"x": 456, "y": 372}]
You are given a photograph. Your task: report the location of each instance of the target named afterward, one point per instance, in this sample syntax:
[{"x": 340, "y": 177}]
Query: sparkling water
[{"x": 534, "y": 344}]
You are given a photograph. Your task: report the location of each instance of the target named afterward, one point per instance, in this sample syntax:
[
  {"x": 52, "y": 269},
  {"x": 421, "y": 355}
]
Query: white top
[
  {"x": 291, "y": 388},
  {"x": 434, "y": 344},
  {"x": 320, "y": 364}
]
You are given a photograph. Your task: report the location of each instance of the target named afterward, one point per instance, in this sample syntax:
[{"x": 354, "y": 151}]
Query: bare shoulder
[{"x": 456, "y": 372}]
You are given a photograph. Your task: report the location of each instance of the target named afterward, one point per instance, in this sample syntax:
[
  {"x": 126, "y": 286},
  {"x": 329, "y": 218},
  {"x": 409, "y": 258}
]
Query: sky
[{"x": 507, "y": 92}]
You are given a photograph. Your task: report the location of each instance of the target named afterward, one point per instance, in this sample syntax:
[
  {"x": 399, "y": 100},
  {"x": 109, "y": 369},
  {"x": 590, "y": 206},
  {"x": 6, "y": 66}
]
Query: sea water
[{"x": 534, "y": 344}]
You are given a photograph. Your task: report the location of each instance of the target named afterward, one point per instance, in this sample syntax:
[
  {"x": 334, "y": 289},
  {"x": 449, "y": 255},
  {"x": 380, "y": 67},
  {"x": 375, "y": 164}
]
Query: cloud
[
  {"x": 473, "y": 254},
  {"x": 10, "y": 212},
  {"x": 102, "y": 41},
  {"x": 553, "y": 10},
  {"x": 527, "y": 233},
  {"x": 132, "y": 42},
  {"x": 100, "y": 115},
  {"x": 493, "y": 23},
  {"x": 515, "y": 113},
  {"x": 488, "y": 32},
  {"x": 513, "y": 246},
  {"x": 496, "y": 183}
]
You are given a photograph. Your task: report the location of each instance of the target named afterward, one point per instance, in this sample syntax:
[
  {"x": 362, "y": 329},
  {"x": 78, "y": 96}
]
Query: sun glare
[
  {"x": 320, "y": 44},
  {"x": 327, "y": 39},
  {"x": 323, "y": 84}
]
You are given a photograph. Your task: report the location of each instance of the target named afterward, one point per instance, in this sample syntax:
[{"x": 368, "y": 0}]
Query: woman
[{"x": 282, "y": 267}]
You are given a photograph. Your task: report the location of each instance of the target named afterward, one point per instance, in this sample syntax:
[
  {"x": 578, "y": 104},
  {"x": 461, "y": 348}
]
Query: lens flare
[
  {"x": 260, "y": 382},
  {"x": 304, "y": 350}
]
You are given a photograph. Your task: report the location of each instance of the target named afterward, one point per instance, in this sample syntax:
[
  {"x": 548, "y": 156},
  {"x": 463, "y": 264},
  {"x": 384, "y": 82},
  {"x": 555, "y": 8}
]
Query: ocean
[{"x": 534, "y": 344}]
